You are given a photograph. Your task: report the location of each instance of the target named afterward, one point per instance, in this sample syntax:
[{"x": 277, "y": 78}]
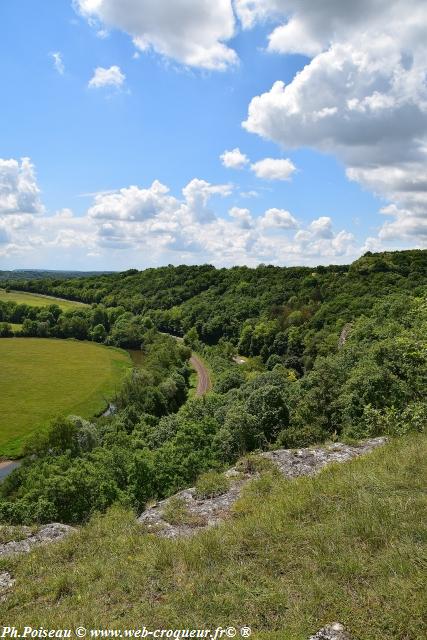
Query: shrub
[{"x": 300, "y": 436}]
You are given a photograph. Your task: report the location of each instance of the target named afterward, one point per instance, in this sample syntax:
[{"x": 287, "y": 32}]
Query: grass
[
  {"x": 9, "y": 533},
  {"x": 347, "y": 545},
  {"x": 176, "y": 512},
  {"x": 36, "y": 300},
  {"x": 211, "y": 484},
  {"x": 41, "y": 379}
]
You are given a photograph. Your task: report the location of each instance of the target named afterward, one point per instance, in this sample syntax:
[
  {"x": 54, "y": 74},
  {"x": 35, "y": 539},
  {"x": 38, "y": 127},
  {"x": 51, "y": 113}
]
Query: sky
[{"x": 138, "y": 133}]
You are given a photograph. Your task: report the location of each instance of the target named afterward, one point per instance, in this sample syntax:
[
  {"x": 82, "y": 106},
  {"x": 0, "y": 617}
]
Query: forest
[{"x": 325, "y": 353}]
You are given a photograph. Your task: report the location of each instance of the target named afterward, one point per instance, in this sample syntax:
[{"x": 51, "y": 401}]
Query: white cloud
[
  {"x": 278, "y": 218},
  {"x": 57, "y": 62},
  {"x": 234, "y": 159},
  {"x": 249, "y": 194},
  {"x": 193, "y": 32},
  {"x": 149, "y": 226},
  {"x": 307, "y": 27},
  {"x": 294, "y": 37},
  {"x": 274, "y": 168},
  {"x": 363, "y": 96},
  {"x": 111, "y": 77},
  {"x": 243, "y": 217},
  {"x": 197, "y": 194},
  {"x": 19, "y": 192},
  {"x": 133, "y": 203}
]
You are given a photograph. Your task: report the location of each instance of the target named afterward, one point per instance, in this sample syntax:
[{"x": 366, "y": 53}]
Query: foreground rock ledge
[
  {"x": 211, "y": 511},
  {"x": 46, "y": 534},
  {"x": 334, "y": 631}
]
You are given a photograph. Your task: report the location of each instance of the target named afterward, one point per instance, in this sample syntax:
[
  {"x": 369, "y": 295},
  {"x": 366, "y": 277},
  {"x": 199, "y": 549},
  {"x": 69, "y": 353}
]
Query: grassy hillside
[
  {"x": 346, "y": 545},
  {"x": 35, "y": 300},
  {"x": 41, "y": 379}
]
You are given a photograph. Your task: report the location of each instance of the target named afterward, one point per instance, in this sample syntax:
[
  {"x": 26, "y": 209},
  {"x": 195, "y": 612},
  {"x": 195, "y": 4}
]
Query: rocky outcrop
[
  {"x": 307, "y": 462},
  {"x": 334, "y": 631},
  {"x": 208, "y": 512},
  {"x": 46, "y": 534}
]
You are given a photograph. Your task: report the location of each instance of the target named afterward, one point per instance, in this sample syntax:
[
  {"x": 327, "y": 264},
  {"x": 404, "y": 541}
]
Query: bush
[
  {"x": 300, "y": 436},
  {"x": 390, "y": 421}
]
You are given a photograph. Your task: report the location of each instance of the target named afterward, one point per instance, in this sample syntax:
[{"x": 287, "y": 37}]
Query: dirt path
[{"x": 204, "y": 383}]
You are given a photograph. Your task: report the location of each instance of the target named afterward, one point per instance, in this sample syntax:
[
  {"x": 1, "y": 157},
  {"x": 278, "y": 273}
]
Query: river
[{"x": 7, "y": 467}]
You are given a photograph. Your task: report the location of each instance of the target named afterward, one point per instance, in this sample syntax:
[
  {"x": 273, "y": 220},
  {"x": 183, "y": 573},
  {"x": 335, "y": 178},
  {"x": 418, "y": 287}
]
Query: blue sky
[{"x": 166, "y": 114}]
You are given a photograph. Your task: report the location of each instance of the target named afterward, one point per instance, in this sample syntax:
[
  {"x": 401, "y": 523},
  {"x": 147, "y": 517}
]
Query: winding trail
[{"x": 204, "y": 383}]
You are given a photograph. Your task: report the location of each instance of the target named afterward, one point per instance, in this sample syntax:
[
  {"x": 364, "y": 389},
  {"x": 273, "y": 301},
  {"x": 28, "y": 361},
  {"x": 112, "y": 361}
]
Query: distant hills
[{"x": 36, "y": 274}]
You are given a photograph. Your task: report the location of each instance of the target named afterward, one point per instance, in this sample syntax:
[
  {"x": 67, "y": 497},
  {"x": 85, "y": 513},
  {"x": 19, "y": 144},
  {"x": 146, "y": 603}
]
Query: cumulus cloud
[
  {"x": 111, "y": 77},
  {"x": 309, "y": 28},
  {"x": 362, "y": 97},
  {"x": 19, "y": 192},
  {"x": 274, "y": 168},
  {"x": 278, "y": 218},
  {"x": 234, "y": 159},
  {"x": 193, "y": 32},
  {"x": 152, "y": 226},
  {"x": 132, "y": 203},
  {"x": 57, "y": 62},
  {"x": 242, "y": 216},
  {"x": 197, "y": 194}
]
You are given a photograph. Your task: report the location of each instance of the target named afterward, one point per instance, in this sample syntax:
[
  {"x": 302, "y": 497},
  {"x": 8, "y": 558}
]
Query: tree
[
  {"x": 268, "y": 406},
  {"x": 191, "y": 338},
  {"x": 98, "y": 333}
]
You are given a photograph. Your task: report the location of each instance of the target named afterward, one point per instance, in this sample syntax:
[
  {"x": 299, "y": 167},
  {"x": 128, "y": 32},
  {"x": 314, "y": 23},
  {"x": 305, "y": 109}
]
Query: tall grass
[{"x": 347, "y": 545}]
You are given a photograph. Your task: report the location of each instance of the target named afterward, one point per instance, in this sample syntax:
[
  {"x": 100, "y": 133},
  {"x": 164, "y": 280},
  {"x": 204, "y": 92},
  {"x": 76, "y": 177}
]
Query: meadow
[
  {"x": 37, "y": 300},
  {"x": 45, "y": 378}
]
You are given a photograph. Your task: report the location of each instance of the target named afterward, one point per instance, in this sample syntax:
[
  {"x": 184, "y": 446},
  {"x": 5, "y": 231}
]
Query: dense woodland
[{"x": 331, "y": 352}]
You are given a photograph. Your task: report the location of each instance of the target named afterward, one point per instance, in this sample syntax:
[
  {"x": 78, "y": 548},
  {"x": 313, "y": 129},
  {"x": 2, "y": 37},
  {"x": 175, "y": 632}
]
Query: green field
[
  {"x": 44, "y": 378},
  {"x": 35, "y": 300}
]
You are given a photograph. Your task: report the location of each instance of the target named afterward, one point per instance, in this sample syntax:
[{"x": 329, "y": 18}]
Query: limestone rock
[
  {"x": 211, "y": 511},
  {"x": 46, "y": 534},
  {"x": 334, "y": 631}
]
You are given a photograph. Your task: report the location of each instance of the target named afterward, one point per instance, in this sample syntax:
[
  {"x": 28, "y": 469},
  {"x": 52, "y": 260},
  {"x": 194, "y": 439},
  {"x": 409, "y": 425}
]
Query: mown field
[
  {"x": 35, "y": 300},
  {"x": 347, "y": 545},
  {"x": 44, "y": 378}
]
